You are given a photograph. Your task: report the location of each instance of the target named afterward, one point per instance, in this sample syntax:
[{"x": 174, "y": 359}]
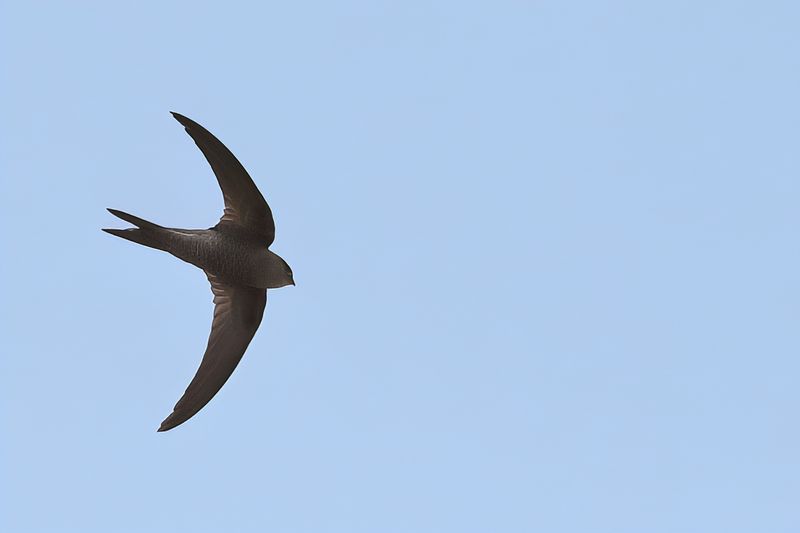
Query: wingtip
[
  {"x": 184, "y": 120},
  {"x": 170, "y": 422}
]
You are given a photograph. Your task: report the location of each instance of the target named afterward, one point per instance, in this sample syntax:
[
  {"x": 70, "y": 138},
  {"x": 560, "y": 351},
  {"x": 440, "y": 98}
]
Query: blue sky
[{"x": 547, "y": 264}]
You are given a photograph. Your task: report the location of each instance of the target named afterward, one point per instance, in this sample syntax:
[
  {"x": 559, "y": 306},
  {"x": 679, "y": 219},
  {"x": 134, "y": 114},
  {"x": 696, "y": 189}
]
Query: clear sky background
[{"x": 547, "y": 263}]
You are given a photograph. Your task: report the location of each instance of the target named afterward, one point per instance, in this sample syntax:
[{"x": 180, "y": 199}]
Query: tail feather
[
  {"x": 146, "y": 233},
  {"x": 136, "y": 221},
  {"x": 139, "y": 236}
]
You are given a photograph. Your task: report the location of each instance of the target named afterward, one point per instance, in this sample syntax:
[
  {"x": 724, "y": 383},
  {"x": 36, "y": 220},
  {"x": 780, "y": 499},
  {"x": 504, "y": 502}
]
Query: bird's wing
[
  {"x": 244, "y": 204},
  {"x": 237, "y": 315}
]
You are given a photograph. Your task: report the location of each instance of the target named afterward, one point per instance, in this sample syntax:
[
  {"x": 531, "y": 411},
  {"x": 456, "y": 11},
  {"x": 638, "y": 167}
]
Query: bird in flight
[{"x": 235, "y": 256}]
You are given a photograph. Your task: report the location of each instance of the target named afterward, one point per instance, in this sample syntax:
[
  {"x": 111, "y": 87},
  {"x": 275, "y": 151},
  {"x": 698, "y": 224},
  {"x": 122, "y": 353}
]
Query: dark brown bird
[{"x": 234, "y": 255}]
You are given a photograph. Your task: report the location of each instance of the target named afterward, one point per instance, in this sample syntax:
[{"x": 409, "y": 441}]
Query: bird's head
[
  {"x": 287, "y": 270},
  {"x": 277, "y": 272}
]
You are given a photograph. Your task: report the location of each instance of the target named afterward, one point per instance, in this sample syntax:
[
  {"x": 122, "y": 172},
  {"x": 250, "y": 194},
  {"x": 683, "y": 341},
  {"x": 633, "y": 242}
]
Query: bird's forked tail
[{"x": 145, "y": 233}]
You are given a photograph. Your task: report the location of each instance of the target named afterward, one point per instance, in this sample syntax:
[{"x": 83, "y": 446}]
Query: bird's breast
[
  {"x": 239, "y": 262},
  {"x": 231, "y": 258}
]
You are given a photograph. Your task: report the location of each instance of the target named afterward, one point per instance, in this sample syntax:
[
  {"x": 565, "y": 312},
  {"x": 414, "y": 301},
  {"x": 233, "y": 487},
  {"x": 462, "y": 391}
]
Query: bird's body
[
  {"x": 234, "y": 255},
  {"x": 230, "y": 254}
]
